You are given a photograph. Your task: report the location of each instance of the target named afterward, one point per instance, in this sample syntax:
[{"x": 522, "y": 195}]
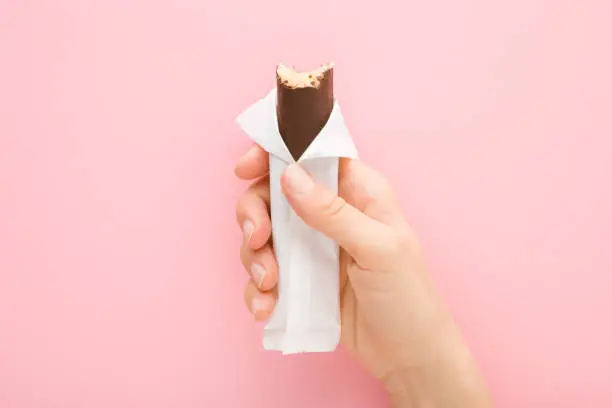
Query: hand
[{"x": 392, "y": 319}]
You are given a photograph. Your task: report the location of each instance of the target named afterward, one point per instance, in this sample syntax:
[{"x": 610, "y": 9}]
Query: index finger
[{"x": 253, "y": 165}]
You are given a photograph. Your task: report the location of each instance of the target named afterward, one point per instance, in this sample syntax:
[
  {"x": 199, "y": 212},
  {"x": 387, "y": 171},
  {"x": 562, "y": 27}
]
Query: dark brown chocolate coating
[{"x": 303, "y": 112}]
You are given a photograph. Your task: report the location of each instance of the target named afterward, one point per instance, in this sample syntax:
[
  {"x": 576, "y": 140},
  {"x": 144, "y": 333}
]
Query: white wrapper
[{"x": 307, "y": 315}]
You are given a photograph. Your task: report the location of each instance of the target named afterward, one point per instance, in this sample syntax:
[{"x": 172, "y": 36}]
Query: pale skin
[{"x": 393, "y": 320}]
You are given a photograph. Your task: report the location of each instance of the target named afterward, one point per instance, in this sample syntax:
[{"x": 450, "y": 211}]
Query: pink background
[{"x": 120, "y": 283}]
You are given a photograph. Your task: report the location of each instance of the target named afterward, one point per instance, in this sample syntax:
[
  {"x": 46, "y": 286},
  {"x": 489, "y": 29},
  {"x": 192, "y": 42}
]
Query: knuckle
[
  {"x": 267, "y": 256},
  {"x": 245, "y": 255},
  {"x": 402, "y": 243},
  {"x": 257, "y": 192},
  {"x": 385, "y": 186},
  {"x": 252, "y": 204},
  {"x": 333, "y": 207},
  {"x": 377, "y": 186},
  {"x": 260, "y": 191},
  {"x": 240, "y": 206},
  {"x": 374, "y": 251},
  {"x": 247, "y": 295},
  {"x": 262, "y": 186},
  {"x": 361, "y": 251},
  {"x": 386, "y": 245}
]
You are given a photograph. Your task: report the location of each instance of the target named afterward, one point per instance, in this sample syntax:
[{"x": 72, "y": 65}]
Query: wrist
[
  {"x": 446, "y": 376},
  {"x": 398, "y": 387}
]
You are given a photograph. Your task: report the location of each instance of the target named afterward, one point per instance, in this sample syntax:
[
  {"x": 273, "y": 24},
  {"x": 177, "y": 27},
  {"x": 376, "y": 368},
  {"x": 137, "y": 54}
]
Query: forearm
[{"x": 448, "y": 377}]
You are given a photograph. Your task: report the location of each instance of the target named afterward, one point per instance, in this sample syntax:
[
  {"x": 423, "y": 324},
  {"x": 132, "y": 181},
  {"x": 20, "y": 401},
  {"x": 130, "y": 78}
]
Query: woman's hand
[{"x": 392, "y": 319}]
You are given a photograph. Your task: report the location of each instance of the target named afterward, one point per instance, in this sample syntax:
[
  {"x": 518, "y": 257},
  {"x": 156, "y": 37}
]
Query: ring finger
[{"x": 261, "y": 265}]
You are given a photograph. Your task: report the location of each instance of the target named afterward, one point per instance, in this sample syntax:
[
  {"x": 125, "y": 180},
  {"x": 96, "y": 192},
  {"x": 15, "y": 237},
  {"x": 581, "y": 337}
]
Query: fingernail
[
  {"x": 299, "y": 181},
  {"x": 258, "y": 304},
  {"x": 258, "y": 273},
  {"x": 247, "y": 230}
]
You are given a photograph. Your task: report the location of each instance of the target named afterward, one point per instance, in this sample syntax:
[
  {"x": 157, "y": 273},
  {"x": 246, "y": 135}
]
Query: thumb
[{"x": 361, "y": 236}]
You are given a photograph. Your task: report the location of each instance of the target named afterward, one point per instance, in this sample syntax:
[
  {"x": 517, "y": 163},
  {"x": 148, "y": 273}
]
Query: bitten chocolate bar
[
  {"x": 300, "y": 110},
  {"x": 305, "y": 101}
]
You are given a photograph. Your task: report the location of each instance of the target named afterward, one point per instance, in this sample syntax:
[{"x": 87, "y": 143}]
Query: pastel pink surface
[{"x": 120, "y": 283}]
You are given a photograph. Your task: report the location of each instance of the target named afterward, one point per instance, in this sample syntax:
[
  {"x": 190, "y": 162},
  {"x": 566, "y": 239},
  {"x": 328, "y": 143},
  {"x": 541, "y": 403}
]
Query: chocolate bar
[{"x": 304, "y": 103}]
